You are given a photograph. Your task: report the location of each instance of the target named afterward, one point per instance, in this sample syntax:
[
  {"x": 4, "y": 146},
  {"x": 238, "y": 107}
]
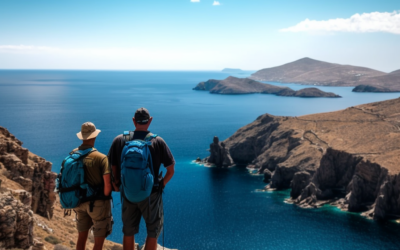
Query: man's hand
[
  {"x": 117, "y": 181},
  {"x": 116, "y": 187}
]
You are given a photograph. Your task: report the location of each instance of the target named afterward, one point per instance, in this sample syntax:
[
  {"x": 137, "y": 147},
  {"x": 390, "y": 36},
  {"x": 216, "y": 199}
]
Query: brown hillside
[
  {"x": 310, "y": 71},
  {"x": 385, "y": 83}
]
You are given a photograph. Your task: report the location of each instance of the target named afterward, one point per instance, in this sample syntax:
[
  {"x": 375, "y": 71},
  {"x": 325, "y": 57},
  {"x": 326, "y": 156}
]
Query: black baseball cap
[{"x": 142, "y": 116}]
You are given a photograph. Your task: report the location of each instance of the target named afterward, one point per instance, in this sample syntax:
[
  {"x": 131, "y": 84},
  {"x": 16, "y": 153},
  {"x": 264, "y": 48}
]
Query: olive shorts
[
  {"x": 153, "y": 215},
  {"x": 100, "y": 218}
]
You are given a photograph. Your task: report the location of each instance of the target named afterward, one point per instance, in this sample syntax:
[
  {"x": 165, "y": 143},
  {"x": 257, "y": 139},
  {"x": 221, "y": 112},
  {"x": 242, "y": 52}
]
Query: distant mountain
[
  {"x": 230, "y": 70},
  {"x": 234, "y": 86},
  {"x": 314, "y": 72},
  {"x": 385, "y": 83},
  {"x": 397, "y": 72}
]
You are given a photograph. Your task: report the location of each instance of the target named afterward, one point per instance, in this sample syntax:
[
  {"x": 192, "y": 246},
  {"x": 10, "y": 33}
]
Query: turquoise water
[{"x": 205, "y": 208}]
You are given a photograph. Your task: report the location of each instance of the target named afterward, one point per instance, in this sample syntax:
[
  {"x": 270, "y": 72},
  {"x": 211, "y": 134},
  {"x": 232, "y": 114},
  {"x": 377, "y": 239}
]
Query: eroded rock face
[
  {"x": 32, "y": 172},
  {"x": 300, "y": 181},
  {"x": 349, "y": 158},
  {"x": 16, "y": 223},
  {"x": 219, "y": 156}
]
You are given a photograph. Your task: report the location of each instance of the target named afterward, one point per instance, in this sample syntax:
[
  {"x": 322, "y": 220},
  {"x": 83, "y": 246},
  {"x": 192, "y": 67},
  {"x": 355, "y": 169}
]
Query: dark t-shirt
[{"x": 159, "y": 150}]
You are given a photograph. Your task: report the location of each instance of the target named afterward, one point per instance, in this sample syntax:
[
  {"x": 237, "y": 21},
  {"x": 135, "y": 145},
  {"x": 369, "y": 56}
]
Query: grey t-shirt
[{"x": 160, "y": 153}]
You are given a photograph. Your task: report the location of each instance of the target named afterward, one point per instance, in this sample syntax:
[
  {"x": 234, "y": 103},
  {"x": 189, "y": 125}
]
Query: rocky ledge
[
  {"x": 236, "y": 86},
  {"x": 31, "y": 172},
  {"x": 348, "y": 158}
]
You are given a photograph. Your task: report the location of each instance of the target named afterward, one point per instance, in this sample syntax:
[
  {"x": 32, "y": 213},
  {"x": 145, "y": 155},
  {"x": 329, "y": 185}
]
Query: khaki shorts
[{"x": 100, "y": 218}]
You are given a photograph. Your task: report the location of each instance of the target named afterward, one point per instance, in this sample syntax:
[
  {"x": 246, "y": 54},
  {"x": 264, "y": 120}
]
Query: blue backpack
[
  {"x": 137, "y": 173},
  {"x": 70, "y": 182}
]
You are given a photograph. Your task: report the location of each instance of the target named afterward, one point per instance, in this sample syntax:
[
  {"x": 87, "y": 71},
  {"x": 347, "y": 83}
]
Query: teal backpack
[
  {"x": 70, "y": 182},
  {"x": 137, "y": 173}
]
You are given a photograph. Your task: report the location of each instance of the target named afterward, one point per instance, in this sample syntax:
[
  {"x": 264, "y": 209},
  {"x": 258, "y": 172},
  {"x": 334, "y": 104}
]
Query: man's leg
[
  {"x": 154, "y": 217},
  {"x": 98, "y": 243},
  {"x": 82, "y": 237},
  {"x": 83, "y": 224},
  {"x": 102, "y": 222},
  {"x": 151, "y": 243},
  {"x": 129, "y": 243},
  {"x": 130, "y": 223}
]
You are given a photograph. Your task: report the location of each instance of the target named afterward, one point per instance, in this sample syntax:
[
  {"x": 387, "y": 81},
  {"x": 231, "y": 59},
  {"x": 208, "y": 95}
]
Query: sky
[{"x": 197, "y": 34}]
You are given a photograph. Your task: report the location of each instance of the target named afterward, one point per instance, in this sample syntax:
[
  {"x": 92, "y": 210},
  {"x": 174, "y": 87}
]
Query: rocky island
[
  {"x": 313, "y": 72},
  {"x": 236, "y": 86},
  {"x": 348, "y": 158}
]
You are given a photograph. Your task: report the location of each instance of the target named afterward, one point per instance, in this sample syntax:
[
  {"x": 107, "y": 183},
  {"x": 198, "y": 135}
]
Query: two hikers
[
  {"x": 133, "y": 208},
  {"x": 135, "y": 158}
]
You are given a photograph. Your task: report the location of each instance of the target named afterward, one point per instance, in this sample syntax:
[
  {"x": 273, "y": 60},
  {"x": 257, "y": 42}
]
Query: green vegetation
[{"x": 52, "y": 239}]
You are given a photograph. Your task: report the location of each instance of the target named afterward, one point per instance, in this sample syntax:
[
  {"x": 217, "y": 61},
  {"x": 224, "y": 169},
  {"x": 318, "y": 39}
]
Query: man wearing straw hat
[{"x": 96, "y": 212}]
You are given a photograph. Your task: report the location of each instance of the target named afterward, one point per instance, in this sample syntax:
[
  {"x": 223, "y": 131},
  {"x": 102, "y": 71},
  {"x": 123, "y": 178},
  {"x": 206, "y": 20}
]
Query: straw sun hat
[{"x": 88, "y": 131}]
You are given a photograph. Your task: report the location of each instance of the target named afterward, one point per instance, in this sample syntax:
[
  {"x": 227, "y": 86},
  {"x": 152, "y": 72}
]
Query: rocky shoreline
[{"x": 348, "y": 158}]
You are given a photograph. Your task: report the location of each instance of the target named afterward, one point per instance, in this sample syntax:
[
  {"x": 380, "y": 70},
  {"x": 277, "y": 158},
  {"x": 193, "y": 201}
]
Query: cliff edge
[{"x": 348, "y": 158}]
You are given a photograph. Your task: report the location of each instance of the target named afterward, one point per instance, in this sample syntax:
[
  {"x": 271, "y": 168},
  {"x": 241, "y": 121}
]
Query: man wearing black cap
[{"x": 151, "y": 210}]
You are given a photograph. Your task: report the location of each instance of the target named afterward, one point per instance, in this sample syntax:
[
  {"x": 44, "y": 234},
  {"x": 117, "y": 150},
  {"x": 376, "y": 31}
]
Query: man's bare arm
[
  {"x": 117, "y": 180},
  {"x": 169, "y": 174},
  {"x": 107, "y": 184}
]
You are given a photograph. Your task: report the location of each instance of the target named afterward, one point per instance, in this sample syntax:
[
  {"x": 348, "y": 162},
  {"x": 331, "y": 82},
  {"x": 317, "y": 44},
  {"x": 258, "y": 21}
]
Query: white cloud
[
  {"x": 195, "y": 1},
  {"x": 366, "y": 22},
  {"x": 216, "y": 3}
]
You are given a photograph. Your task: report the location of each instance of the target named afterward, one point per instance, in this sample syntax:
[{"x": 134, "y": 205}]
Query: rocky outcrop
[
  {"x": 16, "y": 223},
  {"x": 219, "y": 156},
  {"x": 32, "y": 172},
  {"x": 349, "y": 158},
  {"x": 235, "y": 86},
  {"x": 368, "y": 88}
]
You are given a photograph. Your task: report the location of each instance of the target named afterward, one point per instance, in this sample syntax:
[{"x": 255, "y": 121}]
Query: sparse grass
[
  {"x": 61, "y": 247},
  {"x": 52, "y": 239}
]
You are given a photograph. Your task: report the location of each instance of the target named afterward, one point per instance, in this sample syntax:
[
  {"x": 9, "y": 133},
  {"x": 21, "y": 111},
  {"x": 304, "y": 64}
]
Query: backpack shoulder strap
[
  {"x": 127, "y": 135},
  {"x": 150, "y": 136}
]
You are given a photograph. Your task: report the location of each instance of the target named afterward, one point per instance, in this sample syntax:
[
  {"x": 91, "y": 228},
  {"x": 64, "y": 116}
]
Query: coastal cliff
[
  {"x": 236, "y": 86},
  {"x": 348, "y": 158},
  {"x": 30, "y": 171}
]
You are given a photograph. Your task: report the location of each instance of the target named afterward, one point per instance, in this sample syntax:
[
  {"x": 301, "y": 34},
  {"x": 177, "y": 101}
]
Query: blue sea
[{"x": 205, "y": 208}]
